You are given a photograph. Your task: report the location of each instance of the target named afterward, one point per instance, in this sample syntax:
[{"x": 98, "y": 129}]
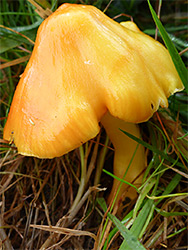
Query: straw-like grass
[{"x": 57, "y": 204}]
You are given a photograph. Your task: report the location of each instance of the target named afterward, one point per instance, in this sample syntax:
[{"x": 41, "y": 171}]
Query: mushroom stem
[{"x": 124, "y": 150}]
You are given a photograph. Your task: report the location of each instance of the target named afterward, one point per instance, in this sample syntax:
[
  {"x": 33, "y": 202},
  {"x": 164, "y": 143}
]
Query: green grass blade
[
  {"x": 119, "y": 179},
  {"x": 115, "y": 230},
  {"x": 153, "y": 149},
  {"x": 141, "y": 218},
  {"x": 168, "y": 214},
  {"x": 141, "y": 221},
  {"x": 142, "y": 195},
  {"x": 171, "y": 186},
  {"x": 8, "y": 43},
  {"x": 102, "y": 203},
  {"x": 131, "y": 240},
  {"x": 21, "y": 29},
  {"x": 180, "y": 67}
]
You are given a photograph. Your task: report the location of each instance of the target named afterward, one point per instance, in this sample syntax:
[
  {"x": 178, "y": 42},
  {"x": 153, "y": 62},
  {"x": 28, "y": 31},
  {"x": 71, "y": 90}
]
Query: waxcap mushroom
[{"x": 83, "y": 65}]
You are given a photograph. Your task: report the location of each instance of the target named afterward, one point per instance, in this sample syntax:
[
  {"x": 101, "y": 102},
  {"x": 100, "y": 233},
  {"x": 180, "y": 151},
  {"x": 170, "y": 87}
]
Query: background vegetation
[{"x": 38, "y": 205}]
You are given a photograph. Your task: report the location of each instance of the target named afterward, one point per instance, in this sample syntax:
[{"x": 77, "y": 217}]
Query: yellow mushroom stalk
[
  {"x": 83, "y": 65},
  {"x": 128, "y": 158}
]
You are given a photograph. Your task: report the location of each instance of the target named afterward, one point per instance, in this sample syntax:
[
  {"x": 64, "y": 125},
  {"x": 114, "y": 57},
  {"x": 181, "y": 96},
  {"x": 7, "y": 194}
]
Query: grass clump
[{"x": 56, "y": 204}]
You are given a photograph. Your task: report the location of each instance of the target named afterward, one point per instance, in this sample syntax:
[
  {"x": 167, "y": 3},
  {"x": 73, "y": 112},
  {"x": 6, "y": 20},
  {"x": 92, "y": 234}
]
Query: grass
[{"x": 54, "y": 203}]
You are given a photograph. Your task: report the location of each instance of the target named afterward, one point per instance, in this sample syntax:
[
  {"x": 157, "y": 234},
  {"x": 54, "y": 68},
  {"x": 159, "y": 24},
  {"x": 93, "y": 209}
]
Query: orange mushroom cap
[{"x": 82, "y": 65}]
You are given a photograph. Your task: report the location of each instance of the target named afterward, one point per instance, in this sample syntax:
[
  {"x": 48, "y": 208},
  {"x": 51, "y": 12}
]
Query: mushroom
[{"x": 84, "y": 68}]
